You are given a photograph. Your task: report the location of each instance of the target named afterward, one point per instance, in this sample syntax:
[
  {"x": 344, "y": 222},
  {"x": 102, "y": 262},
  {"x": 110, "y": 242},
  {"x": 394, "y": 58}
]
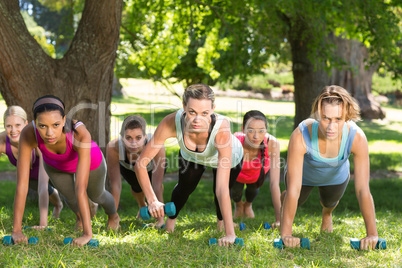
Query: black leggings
[
  {"x": 189, "y": 176},
  {"x": 329, "y": 195},
  {"x": 236, "y": 191},
  {"x": 131, "y": 178}
]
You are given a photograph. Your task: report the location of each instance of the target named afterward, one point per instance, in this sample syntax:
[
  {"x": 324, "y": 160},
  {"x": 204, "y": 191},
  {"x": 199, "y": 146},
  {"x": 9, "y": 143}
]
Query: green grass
[
  {"x": 188, "y": 245},
  {"x": 5, "y": 164}
]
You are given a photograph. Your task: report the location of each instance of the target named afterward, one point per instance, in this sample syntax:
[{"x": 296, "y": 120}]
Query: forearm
[
  {"x": 288, "y": 213},
  {"x": 43, "y": 207},
  {"x": 83, "y": 207},
  {"x": 157, "y": 184},
  {"x": 116, "y": 191},
  {"x": 226, "y": 210},
  {"x": 19, "y": 207},
  {"x": 367, "y": 209},
  {"x": 143, "y": 179},
  {"x": 276, "y": 200}
]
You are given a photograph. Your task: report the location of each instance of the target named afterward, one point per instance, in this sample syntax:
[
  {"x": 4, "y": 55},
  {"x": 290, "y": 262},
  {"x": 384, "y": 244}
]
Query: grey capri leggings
[
  {"x": 329, "y": 195},
  {"x": 64, "y": 183}
]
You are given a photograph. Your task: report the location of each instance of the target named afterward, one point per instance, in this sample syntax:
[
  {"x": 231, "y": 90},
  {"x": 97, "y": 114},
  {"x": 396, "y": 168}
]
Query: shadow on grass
[
  {"x": 375, "y": 131},
  {"x": 381, "y": 161}
]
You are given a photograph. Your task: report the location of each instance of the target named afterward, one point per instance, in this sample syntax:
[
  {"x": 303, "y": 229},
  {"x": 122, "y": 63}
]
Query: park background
[{"x": 274, "y": 56}]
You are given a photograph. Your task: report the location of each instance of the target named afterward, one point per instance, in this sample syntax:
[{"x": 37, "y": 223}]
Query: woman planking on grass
[
  {"x": 122, "y": 154},
  {"x": 74, "y": 163},
  {"x": 205, "y": 140},
  {"x": 318, "y": 156},
  {"x": 15, "y": 119},
  {"x": 261, "y": 154}
]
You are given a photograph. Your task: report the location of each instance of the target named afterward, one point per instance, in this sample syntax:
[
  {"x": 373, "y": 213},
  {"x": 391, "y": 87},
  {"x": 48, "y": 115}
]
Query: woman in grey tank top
[
  {"x": 122, "y": 154},
  {"x": 203, "y": 142}
]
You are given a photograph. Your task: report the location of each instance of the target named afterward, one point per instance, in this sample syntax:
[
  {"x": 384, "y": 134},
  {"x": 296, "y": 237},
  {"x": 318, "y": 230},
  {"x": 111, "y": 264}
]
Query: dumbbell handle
[
  {"x": 92, "y": 243},
  {"x": 8, "y": 240},
  {"x": 238, "y": 241},
  {"x": 169, "y": 208},
  {"x": 304, "y": 243},
  {"x": 355, "y": 243}
]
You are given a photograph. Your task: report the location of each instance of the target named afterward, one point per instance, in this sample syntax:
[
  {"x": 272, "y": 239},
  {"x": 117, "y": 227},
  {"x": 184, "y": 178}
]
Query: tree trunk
[
  {"x": 309, "y": 77},
  {"x": 356, "y": 76},
  {"x": 83, "y": 78}
]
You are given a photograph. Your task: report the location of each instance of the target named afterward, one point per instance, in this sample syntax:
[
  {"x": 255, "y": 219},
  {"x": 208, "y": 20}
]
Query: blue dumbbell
[
  {"x": 355, "y": 243},
  {"x": 8, "y": 240},
  {"x": 267, "y": 226},
  {"x": 304, "y": 243},
  {"x": 170, "y": 210},
  {"x": 145, "y": 226},
  {"x": 238, "y": 241},
  {"x": 31, "y": 228},
  {"x": 92, "y": 243},
  {"x": 242, "y": 226}
]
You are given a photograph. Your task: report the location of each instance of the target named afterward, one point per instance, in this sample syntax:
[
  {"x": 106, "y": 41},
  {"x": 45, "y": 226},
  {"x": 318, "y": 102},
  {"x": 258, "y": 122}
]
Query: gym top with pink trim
[{"x": 34, "y": 171}]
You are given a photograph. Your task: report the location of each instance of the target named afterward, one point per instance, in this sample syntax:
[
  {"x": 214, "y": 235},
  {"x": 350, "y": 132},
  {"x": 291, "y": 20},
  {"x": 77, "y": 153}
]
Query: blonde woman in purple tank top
[
  {"x": 15, "y": 119},
  {"x": 74, "y": 163}
]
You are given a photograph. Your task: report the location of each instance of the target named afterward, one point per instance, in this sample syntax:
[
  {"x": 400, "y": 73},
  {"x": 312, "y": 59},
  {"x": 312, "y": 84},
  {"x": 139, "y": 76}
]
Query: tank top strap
[
  {"x": 349, "y": 142},
  {"x": 122, "y": 149},
  {"x": 306, "y": 136},
  {"x": 9, "y": 152}
]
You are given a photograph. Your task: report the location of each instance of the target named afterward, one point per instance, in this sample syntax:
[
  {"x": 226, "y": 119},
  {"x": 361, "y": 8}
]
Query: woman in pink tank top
[
  {"x": 260, "y": 155},
  {"x": 74, "y": 163},
  {"x": 15, "y": 119}
]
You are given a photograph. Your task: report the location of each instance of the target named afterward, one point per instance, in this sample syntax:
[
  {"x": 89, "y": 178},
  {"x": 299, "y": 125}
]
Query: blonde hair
[
  {"x": 15, "y": 110},
  {"x": 199, "y": 92},
  {"x": 337, "y": 95}
]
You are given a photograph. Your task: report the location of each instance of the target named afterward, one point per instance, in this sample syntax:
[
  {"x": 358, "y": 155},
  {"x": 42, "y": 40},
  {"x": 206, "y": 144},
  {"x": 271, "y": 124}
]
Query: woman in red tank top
[{"x": 260, "y": 155}]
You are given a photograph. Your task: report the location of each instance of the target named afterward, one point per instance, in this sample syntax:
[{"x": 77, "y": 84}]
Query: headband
[{"x": 48, "y": 101}]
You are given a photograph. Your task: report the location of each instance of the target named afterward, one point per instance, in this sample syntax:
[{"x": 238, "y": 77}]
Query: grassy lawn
[
  {"x": 134, "y": 246},
  {"x": 188, "y": 245}
]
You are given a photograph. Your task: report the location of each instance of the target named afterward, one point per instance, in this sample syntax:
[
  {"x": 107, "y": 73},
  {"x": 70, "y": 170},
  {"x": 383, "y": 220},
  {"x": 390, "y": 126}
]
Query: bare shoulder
[
  {"x": 3, "y": 142},
  {"x": 273, "y": 142},
  {"x": 168, "y": 125},
  {"x": 28, "y": 133},
  {"x": 359, "y": 140},
  {"x": 309, "y": 121},
  {"x": 81, "y": 132},
  {"x": 113, "y": 145},
  {"x": 296, "y": 142},
  {"x": 3, "y": 137}
]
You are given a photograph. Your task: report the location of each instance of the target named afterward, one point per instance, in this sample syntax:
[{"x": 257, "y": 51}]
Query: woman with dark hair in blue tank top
[{"x": 318, "y": 155}]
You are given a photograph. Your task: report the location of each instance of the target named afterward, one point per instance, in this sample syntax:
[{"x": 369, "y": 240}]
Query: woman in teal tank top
[
  {"x": 318, "y": 155},
  {"x": 205, "y": 140}
]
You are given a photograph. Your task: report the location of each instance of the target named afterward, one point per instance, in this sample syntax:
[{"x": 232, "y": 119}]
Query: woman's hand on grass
[
  {"x": 19, "y": 237},
  {"x": 291, "y": 241},
  {"x": 275, "y": 225},
  {"x": 81, "y": 241},
  {"x": 227, "y": 240},
  {"x": 369, "y": 242},
  {"x": 39, "y": 227}
]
